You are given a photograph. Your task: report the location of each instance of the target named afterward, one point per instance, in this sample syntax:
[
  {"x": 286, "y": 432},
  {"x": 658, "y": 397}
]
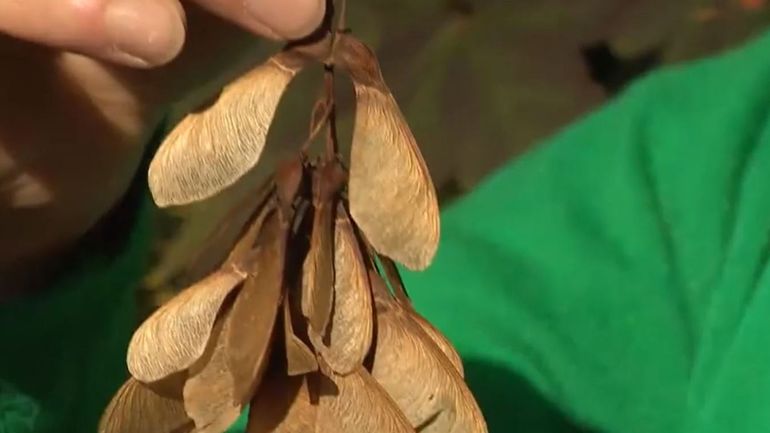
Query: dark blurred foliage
[{"x": 481, "y": 81}]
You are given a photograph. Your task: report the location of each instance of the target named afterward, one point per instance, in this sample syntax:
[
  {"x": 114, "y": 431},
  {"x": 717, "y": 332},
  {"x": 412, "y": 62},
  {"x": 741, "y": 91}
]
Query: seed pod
[
  {"x": 217, "y": 241},
  {"x": 357, "y": 404},
  {"x": 349, "y": 333},
  {"x": 392, "y": 198},
  {"x": 176, "y": 335},
  {"x": 255, "y": 310},
  {"x": 318, "y": 268},
  {"x": 209, "y": 393},
  {"x": 318, "y": 271},
  {"x": 283, "y": 405},
  {"x": 137, "y": 409},
  {"x": 417, "y": 374},
  {"x": 401, "y": 296},
  {"x": 299, "y": 358},
  {"x": 242, "y": 253},
  {"x": 289, "y": 177},
  {"x": 215, "y": 348},
  {"x": 440, "y": 340},
  {"x": 211, "y": 149}
]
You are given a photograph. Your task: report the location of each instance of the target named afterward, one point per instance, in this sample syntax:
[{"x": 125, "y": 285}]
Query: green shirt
[{"x": 614, "y": 277}]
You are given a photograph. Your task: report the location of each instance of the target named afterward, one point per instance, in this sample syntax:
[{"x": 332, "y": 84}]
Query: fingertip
[
  {"x": 289, "y": 19},
  {"x": 143, "y": 33},
  {"x": 132, "y": 32}
]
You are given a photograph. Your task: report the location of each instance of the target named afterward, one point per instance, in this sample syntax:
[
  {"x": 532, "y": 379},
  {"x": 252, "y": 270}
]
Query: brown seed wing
[
  {"x": 391, "y": 195},
  {"x": 357, "y": 404},
  {"x": 318, "y": 270},
  {"x": 176, "y": 335},
  {"x": 137, "y": 409},
  {"x": 439, "y": 340},
  {"x": 417, "y": 374},
  {"x": 211, "y": 149},
  {"x": 243, "y": 250},
  {"x": 288, "y": 180},
  {"x": 392, "y": 198},
  {"x": 283, "y": 405},
  {"x": 255, "y": 310},
  {"x": 400, "y": 295},
  {"x": 209, "y": 392},
  {"x": 351, "y": 325},
  {"x": 205, "y": 237},
  {"x": 299, "y": 358}
]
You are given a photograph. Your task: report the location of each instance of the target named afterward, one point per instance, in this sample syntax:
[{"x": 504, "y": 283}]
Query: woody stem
[{"x": 331, "y": 130}]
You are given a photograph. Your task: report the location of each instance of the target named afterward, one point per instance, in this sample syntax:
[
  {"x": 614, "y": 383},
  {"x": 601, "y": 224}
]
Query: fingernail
[
  {"x": 290, "y": 19},
  {"x": 145, "y": 32}
]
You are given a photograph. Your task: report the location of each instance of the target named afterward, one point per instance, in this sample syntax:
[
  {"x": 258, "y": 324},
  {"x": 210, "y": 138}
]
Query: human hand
[{"x": 72, "y": 126}]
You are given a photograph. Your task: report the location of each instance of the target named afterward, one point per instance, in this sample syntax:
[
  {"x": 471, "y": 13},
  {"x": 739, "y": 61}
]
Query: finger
[
  {"x": 277, "y": 19},
  {"x": 133, "y": 32}
]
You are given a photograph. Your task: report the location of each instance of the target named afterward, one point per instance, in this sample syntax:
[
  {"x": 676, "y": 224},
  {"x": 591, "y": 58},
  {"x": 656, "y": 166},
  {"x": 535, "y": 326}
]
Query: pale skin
[{"x": 83, "y": 83}]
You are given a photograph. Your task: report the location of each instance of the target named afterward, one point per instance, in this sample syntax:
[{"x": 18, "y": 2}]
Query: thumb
[
  {"x": 140, "y": 33},
  {"x": 276, "y": 19}
]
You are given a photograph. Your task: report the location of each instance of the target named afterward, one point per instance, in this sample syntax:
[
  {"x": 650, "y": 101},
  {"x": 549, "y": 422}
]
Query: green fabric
[
  {"x": 63, "y": 351},
  {"x": 615, "y": 275},
  {"x": 621, "y": 268}
]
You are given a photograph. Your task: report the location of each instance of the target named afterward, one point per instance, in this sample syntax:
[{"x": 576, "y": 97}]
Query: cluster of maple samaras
[{"x": 306, "y": 321}]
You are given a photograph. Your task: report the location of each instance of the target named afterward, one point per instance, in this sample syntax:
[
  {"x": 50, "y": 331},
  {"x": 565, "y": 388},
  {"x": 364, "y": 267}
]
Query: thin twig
[
  {"x": 342, "y": 17},
  {"x": 316, "y": 123},
  {"x": 331, "y": 135},
  {"x": 338, "y": 28}
]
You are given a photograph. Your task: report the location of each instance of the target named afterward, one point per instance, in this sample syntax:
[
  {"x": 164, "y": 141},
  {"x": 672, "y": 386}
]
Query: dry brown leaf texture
[
  {"x": 244, "y": 249},
  {"x": 440, "y": 341},
  {"x": 417, "y": 374},
  {"x": 211, "y": 149},
  {"x": 300, "y": 359},
  {"x": 282, "y": 405},
  {"x": 137, "y": 409},
  {"x": 209, "y": 393},
  {"x": 357, "y": 404},
  {"x": 350, "y": 329},
  {"x": 392, "y": 198},
  {"x": 318, "y": 269},
  {"x": 400, "y": 295},
  {"x": 176, "y": 335},
  {"x": 255, "y": 311}
]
